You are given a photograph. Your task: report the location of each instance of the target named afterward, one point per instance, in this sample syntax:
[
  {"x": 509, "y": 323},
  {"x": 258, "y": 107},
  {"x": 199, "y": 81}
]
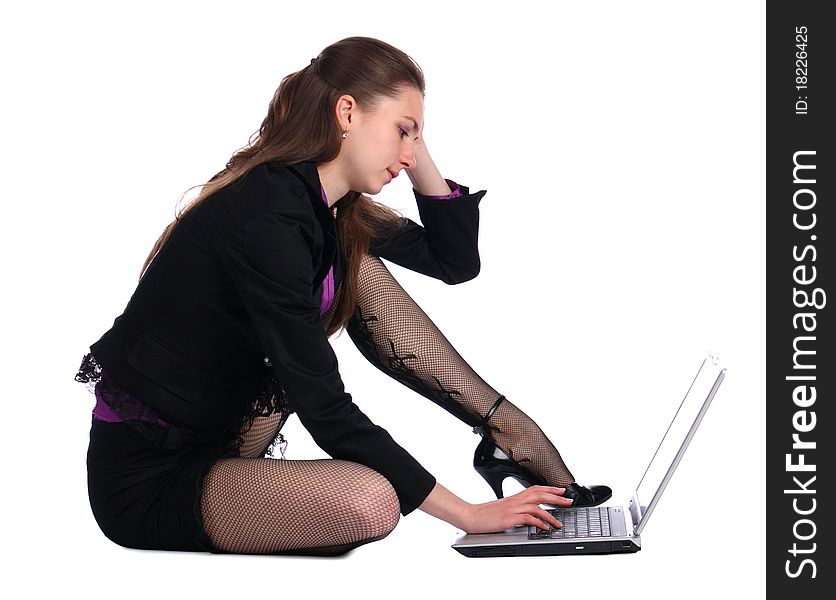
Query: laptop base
[{"x": 551, "y": 549}]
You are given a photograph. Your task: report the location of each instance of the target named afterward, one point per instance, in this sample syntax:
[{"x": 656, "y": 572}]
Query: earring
[{"x": 345, "y": 134}]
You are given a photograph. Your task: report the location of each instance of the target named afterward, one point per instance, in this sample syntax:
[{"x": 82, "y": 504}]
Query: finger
[
  {"x": 530, "y": 519},
  {"x": 549, "y": 497},
  {"x": 559, "y": 501},
  {"x": 549, "y": 489},
  {"x": 546, "y": 516},
  {"x": 543, "y": 515},
  {"x": 537, "y": 490}
]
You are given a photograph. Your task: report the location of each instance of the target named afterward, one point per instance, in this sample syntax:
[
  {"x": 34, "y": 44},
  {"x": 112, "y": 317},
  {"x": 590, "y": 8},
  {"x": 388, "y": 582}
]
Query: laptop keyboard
[{"x": 577, "y": 523}]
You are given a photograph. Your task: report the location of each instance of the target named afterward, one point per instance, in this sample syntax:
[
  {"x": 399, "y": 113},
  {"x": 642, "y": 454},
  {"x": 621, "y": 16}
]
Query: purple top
[
  {"x": 103, "y": 412},
  {"x": 328, "y": 283}
]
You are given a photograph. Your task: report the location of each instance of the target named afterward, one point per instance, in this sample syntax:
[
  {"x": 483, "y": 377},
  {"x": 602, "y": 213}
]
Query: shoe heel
[
  {"x": 494, "y": 480},
  {"x": 494, "y": 466}
]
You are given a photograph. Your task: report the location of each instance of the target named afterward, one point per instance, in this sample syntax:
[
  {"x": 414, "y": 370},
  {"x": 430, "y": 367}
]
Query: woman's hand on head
[{"x": 425, "y": 176}]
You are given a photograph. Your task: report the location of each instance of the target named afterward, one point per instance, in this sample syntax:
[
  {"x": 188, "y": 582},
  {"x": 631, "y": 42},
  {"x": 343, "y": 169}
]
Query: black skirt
[{"x": 144, "y": 496}]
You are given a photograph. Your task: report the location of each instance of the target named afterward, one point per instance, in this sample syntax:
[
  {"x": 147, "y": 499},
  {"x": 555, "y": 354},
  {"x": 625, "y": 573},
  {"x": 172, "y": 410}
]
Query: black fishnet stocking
[
  {"x": 255, "y": 505},
  {"x": 396, "y": 336},
  {"x": 316, "y": 507},
  {"x": 263, "y": 432}
]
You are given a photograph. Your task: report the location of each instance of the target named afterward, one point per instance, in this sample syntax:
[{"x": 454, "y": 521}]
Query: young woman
[{"x": 227, "y": 334}]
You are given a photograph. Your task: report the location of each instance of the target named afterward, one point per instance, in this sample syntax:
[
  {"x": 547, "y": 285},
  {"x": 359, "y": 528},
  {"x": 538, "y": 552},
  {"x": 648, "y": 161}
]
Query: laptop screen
[{"x": 687, "y": 417}]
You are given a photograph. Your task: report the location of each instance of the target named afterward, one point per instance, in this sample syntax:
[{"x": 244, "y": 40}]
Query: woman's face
[{"x": 381, "y": 142}]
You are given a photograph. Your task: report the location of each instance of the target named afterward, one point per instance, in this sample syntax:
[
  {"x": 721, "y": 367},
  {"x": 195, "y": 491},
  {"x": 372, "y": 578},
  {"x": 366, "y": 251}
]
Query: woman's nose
[{"x": 408, "y": 157}]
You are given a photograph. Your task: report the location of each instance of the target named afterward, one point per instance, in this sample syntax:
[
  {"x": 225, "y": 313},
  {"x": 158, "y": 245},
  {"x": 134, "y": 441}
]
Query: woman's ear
[{"x": 344, "y": 107}]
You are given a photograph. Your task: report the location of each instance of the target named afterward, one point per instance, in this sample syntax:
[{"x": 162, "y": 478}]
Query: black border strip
[{"x": 800, "y": 229}]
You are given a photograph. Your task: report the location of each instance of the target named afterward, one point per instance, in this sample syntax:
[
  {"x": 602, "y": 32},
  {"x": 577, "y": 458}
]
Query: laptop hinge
[{"x": 635, "y": 512}]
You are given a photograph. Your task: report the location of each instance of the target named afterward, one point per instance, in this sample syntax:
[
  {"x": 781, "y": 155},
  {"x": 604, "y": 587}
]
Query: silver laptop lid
[{"x": 688, "y": 416}]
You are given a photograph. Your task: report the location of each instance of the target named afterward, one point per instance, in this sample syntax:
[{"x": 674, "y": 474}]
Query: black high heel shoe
[{"x": 494, "y": 465}]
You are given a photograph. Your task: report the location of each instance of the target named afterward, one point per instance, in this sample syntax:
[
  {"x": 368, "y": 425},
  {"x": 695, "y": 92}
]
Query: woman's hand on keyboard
[{"x": 522, "y": 508}]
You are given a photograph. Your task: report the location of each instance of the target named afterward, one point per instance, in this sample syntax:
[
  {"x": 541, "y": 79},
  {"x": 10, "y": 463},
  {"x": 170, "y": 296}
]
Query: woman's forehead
[{"x": 408, "y": 105}]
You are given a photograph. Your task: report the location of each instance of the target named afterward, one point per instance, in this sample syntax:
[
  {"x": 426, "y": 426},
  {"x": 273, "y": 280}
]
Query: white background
[{"x": 622, "y": 145}]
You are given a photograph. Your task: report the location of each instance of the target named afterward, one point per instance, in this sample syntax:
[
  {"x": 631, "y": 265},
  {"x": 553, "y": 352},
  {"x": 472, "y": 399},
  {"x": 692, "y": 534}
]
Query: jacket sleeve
[
  {"x": 271, "y": 261},
  {"x": 446, "y": 246}
]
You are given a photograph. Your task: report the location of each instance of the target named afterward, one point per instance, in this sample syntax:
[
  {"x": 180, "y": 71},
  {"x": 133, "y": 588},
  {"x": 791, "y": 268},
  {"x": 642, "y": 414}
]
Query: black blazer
[{"x": 237, "y": 290}]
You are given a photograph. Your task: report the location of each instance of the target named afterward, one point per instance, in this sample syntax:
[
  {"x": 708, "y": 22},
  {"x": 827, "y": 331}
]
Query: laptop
[{"x": 610, "y": 529}]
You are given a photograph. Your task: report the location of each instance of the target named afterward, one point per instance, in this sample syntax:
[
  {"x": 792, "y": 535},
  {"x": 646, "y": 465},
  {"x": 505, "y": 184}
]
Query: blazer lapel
[{"x": 307, "y": 173}]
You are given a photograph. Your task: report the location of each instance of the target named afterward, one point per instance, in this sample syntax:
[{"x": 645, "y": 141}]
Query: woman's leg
[
  {"x": 314, "y": 507},
  {"x": 396, "y": 336},
  {"x": 257, "y": 505}
]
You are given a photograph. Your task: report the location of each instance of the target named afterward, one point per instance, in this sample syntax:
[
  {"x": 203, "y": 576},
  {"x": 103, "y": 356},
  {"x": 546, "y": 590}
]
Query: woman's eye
[{"x": 403, "y": 131}]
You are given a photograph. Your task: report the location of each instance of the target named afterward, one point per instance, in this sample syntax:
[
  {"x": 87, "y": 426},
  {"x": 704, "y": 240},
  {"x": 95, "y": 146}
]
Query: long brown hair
[{"x": 301, "y": 125}]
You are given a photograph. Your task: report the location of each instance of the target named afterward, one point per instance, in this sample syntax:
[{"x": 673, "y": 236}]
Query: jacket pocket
[{"x": 163, "y": 366}]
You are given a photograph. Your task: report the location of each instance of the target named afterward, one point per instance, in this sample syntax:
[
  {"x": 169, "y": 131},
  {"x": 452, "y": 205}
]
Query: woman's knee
[{"x": 374, "y": 506}]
